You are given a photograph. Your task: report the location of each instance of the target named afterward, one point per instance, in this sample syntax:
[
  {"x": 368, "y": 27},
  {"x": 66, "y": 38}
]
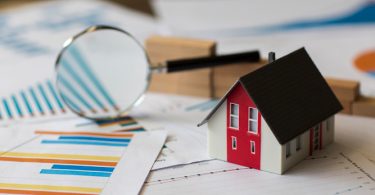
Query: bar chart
[{"x": 68, "y": 162}]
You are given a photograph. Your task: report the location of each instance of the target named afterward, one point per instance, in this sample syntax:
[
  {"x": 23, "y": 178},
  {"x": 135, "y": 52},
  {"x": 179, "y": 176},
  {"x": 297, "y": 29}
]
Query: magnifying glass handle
[{"x": 212, "y": 61}]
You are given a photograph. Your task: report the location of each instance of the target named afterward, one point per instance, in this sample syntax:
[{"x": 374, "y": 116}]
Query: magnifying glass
[{"x": 103, "y": 71}]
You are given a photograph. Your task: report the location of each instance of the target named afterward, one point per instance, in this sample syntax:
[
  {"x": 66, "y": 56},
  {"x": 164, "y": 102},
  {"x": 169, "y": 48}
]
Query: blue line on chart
[
  {"x": 74, "y": 172},
  {"x": 82, "y": 63},
  {"x": 54, "y": 93},
  {"x": 77, "y": 142},
  {"x": 16, "y": 104},
  {"x": 36, "y": 100},
  {"x": 123, "y": 140},
  {"x": 6, "y": 106},
  {"x": 71, "y": 103},
  {"x": 27, "y": 103},
  {"x": 81, "y": 83},
  {"x": 83, "y": 168},
  {"x": 75, "y": 93},
  {"x": 44, "y": 95}
]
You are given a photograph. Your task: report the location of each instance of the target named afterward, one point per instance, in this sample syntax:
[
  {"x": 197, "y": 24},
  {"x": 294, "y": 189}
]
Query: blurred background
[{"x": 339, "y": 37}]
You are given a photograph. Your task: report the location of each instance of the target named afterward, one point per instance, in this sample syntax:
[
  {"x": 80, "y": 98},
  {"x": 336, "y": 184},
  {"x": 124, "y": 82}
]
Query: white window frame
[
  {"x": 252, "y": 147},
  {"x": 288, "y": 151},
  {"x": 298, "y": 143},
  {"x": 234, "y": 139},
  {"x": 252, "y": 120},
  {"x": 235, "y": 116}
]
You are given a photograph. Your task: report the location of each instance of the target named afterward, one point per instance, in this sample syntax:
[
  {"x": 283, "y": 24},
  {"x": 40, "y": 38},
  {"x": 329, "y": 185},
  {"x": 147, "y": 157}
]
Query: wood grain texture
[{"x": 195, "y": 82}]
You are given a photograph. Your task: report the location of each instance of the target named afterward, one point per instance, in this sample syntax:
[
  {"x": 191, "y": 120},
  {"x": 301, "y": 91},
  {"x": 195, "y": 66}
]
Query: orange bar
[
  {"x": 37, "y": 192},
  {"x": 62, "y": 161},
  {"x": 83, "y": 133}
]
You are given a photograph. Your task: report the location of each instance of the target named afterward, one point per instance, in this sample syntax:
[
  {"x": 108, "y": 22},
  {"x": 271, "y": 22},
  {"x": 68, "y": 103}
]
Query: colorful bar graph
[
  {"x": 77, "y": 142},
  {"x": 27, "y": 103},
  {"x": 16, "y": 104},
  {"x": 45, "y": 97},
  {"x": 7, "y": 108},
  {"x": 123, "y": 140},
  {"x": 54, "y": 93},
  {"x": 85, "y": 67},
  {"x": 18, "y": 188},
  {"x": 75, "y": 172},
  {"x": 128, "y": 135}
]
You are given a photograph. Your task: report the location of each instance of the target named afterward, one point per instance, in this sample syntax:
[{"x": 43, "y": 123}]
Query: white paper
[{"x": 334, "y": 171}]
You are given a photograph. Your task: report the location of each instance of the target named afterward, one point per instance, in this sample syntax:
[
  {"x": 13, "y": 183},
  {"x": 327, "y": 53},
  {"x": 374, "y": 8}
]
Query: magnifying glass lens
[{"x": 102, "y": 73}]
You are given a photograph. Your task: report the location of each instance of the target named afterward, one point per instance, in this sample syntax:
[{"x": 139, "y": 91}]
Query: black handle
[{"x": 212, "y": 61}]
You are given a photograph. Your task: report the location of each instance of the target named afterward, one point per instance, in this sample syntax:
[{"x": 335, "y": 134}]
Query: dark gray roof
[{"x": 291, "y": 94}]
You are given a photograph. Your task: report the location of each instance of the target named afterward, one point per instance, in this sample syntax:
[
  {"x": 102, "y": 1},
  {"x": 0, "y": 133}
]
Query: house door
[{"x": 315, "y": 138}]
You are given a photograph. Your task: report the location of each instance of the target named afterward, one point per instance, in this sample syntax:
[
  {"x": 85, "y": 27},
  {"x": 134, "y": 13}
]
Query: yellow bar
[
  {"x": 60, "y": 156},
  {"x": 49, "y": 187}
]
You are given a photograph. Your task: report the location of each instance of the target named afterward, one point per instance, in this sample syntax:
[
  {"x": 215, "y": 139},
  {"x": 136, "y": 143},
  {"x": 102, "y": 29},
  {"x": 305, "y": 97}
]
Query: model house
[{"x": 274, "y": 117}]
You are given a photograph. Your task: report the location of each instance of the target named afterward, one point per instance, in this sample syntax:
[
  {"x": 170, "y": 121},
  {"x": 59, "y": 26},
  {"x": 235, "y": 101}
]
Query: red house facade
[{"x": 244, "y": 129}]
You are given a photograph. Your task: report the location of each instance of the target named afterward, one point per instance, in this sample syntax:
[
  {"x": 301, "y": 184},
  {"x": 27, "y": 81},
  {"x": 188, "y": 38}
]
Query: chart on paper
[
  {"x": 330, "y": 172},
  {"x": 74, "y": 162}
]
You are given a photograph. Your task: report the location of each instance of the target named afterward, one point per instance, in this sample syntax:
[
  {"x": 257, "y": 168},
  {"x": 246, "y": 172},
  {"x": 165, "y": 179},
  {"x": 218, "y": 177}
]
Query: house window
[
  {"x": 287, "y": 147},
  {"x": 234, "y": 143},
  {"x": 298, "y": 143},
  {"x": 253, "y": 120},
  {"x": 252, "y": 147},
  {"x": 234, "y": 115}
]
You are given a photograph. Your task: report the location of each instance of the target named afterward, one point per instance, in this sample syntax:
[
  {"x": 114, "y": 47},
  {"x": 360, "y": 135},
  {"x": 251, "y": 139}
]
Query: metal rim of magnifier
[{"x": 95, "y": 28}]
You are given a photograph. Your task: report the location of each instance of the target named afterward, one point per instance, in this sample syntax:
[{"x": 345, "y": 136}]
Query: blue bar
[
  {"x": 82, "y": 84},
  {"x": 77, "y": 142},
  {"x": 18, "y": 108},
  {"x": 26, "y": 101},
  {"x": 136, "y": 130},
  {"x": 83, "y": 168},
  {"x": 44, "y": 95},
  {"x": 9, "y": 112},
  {"x": 36, "y": 100},
  {"x": 127, "y": 124},
  {"x": 82, "y": 63},
  {"x": 132, "y": 130},
  {"x": 75, "y": 93},
  {"x": 124, "y": 140},
  {"x": 76, "y": 173},
  {"x": 57, "y": 99}
]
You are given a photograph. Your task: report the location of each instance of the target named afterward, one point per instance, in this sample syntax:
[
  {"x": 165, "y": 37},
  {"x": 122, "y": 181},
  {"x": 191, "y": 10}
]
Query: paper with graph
[
  {"x": 333, "y": 171},
  {"x": 77, "y": 162}
]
